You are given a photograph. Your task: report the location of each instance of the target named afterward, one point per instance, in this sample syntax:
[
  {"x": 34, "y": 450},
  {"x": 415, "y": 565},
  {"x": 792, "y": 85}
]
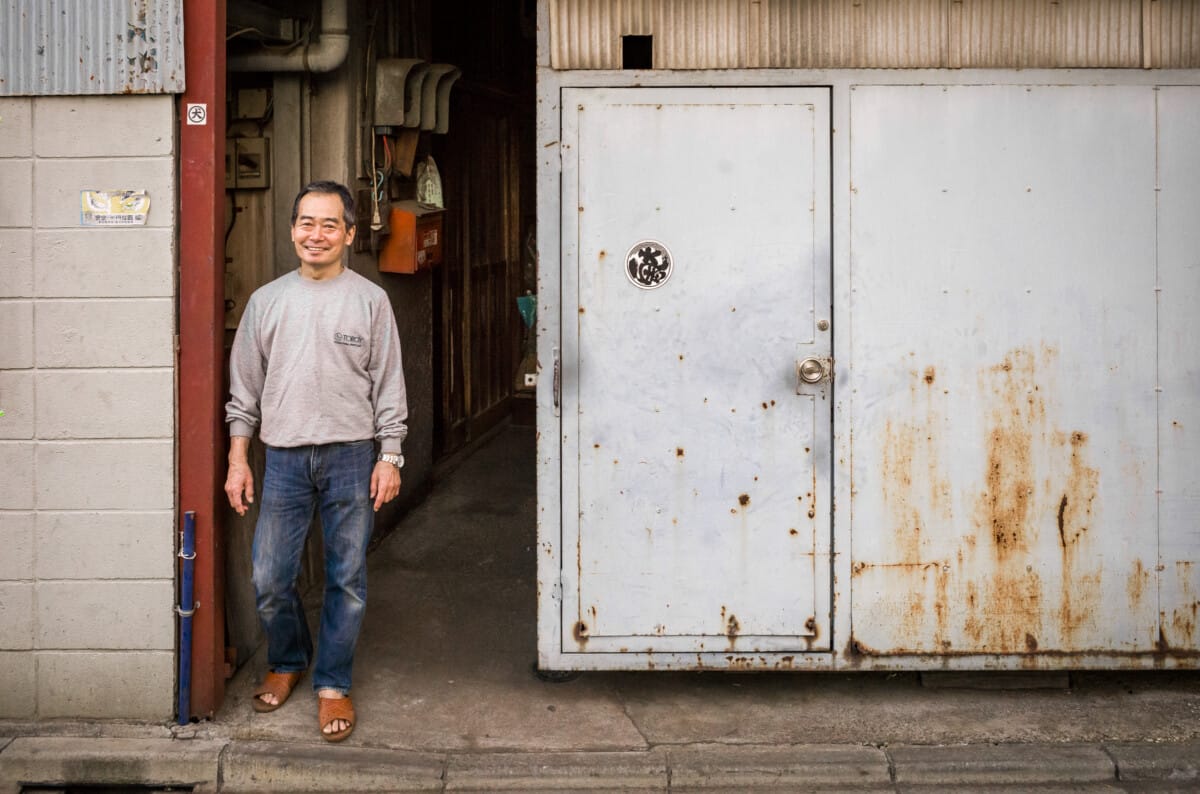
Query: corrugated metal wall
[
  {"x": 69, "y": 47},
  {"x": 734, "y": 34}
]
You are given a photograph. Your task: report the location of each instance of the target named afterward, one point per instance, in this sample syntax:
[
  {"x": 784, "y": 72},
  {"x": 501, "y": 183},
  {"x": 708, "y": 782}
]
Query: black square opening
[{"x": 637, "y": 52}]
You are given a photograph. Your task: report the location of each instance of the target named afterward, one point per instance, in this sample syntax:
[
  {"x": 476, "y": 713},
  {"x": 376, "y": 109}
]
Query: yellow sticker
[{"x": 113, "y": 207}]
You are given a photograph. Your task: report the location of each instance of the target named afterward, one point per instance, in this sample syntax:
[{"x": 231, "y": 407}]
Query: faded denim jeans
[{"x": 336, "y": 480}]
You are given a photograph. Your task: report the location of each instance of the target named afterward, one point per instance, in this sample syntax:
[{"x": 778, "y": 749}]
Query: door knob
[{"x": 812, "y": 370}]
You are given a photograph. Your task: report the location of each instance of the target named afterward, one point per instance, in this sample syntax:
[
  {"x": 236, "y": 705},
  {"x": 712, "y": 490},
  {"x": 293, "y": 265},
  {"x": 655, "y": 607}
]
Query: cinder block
[
  {"x": 16, "y": 616},
  {"x": 106, "y": 404},
  {"x": 106, "y": 615},
  {"x": 16, "y": 263},
  {"x": 16, "y": 329},
  {"x": 105, "y": 126},
  {"x": 16, "y": 540},
  {"x": 59, "y": 182},
  {"x": 78, "y": 545},
  {"x": 106, "y": 475},
  {"x": 105, "y": 263},
  {"x": 16, "y": 475},
  {"x": 16, "y": 400},
  {"x": 16, "y": 198},
  {"x": 136, "y": 333},
  {"x": 18, "y": 684},
  {"x": 16, "y": 127},
  {"x": 135, "y": 685}
]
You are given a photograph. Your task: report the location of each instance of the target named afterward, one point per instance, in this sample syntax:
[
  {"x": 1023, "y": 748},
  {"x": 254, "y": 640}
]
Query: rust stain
[
  {"x": 987, "y": 592},
  {"x": 679, "y": 452},
  {"x": 744, "y": 499},
  {"x": 581, "y": 633},
  {"x": 732, "y": 629},
  {"x": 1135, "y": 587},
  {"x": 582, "y": 310},
  {"x": 1185, "y": 611}
]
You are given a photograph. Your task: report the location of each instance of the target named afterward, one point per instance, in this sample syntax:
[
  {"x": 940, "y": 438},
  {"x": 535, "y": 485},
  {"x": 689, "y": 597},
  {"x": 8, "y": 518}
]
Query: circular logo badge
[{"x": 649, "y": 264}]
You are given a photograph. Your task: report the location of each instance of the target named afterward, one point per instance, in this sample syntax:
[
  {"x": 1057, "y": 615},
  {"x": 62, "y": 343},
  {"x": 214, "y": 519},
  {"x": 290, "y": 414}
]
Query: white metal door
[
  {"x": 696, "y": 460},
  {"x": 1003, "y": 369}
]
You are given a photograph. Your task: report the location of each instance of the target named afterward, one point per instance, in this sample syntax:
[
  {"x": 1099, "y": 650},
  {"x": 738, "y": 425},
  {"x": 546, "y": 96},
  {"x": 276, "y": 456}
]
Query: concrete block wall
[{"x": 87, "y": 386}]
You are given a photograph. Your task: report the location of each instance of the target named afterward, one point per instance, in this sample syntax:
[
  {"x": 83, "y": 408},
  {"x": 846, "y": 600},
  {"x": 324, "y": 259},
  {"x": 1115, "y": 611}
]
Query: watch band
[{"x": 392, "y": 458}]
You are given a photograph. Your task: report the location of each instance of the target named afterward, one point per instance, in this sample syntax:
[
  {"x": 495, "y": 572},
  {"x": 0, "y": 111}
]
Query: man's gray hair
[{"x": 329, "y": 188}]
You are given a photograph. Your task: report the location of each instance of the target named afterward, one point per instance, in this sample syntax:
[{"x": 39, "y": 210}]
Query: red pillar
[{"x": 201, "y": 330}]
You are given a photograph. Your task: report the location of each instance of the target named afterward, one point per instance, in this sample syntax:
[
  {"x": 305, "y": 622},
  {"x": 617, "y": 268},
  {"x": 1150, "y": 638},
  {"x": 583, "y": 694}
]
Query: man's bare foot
[
  {"x": 334, "y": 726},
  {"x": 274, "y": 690}
]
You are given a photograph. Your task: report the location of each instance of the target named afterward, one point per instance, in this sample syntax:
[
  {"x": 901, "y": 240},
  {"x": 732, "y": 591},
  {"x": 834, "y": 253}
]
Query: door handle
[{"x": 813, "y": 370}]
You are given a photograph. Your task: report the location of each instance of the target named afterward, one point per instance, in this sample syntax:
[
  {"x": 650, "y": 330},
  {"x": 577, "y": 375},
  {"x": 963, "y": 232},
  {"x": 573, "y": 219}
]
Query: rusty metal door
[
  {"x": 695, "y": 384},
  {"x": 1004, "y": 359}
]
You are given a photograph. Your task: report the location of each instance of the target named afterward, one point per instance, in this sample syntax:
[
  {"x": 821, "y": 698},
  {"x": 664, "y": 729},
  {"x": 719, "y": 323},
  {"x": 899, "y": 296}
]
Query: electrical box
[
  {"x": 247, "y": 163},
  {"x": 416, "y": 239}
]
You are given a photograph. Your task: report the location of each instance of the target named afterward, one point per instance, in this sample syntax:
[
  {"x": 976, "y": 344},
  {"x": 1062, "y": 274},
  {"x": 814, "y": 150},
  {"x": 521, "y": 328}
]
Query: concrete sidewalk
[{"x": 447, "y": 700}]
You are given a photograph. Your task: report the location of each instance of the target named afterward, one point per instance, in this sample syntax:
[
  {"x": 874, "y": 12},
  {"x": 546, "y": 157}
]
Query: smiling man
[{"x": 316, "y": 369}]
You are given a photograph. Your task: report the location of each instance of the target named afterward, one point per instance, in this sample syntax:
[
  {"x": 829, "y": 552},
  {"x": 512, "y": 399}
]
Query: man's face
[{"x": 320, "y": 234}]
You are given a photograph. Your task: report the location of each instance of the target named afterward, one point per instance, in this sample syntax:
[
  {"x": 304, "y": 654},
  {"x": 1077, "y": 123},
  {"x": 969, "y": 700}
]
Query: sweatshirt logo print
[{"x": 348, "y": 339}]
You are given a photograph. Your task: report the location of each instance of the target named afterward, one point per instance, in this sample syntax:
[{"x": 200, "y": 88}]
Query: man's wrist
[{"x": 393, "y": 458}]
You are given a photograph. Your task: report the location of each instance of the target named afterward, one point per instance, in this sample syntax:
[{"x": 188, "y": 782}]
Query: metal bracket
[
  {"x": 183, "y": 556},
  {"x": 187, "y": 613}
]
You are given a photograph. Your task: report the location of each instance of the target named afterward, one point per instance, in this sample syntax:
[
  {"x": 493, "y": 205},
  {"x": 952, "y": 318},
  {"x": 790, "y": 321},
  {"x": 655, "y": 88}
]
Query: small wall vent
[{"x": 637, "y": 52}]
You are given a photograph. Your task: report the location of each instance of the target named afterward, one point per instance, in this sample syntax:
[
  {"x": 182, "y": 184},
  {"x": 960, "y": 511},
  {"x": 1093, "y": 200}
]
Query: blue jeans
[{"x": 336, "y": 480}]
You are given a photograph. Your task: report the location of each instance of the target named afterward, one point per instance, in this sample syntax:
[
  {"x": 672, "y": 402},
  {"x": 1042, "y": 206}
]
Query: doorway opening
[{"x": 466, "y": 347}]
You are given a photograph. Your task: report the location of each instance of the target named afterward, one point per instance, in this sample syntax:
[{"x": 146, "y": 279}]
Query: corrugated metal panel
[
  {"x": 56, "y": 47},
  {"x": 721, "y": 34},
  {"x": 1036, "y": 33},
  {"x": 1173, "y": 34}
]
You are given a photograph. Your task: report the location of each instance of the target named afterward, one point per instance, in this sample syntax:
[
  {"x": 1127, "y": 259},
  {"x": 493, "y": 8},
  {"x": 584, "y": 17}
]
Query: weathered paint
[
  {"x": 696, "y": 517},
  {"x": 1178, "y": 118},
  {"x": 59, "y": 47},
  {"x": 1005, "y": 485},
  {"x": 1100, "y": 447}
]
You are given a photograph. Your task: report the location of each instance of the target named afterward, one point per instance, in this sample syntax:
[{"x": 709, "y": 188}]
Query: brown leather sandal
[
  {"x": 331, "y": 709},
  {"x": 278, "y": 684}
]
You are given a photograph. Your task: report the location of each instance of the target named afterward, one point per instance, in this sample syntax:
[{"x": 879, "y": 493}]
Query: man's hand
[
  {"x": 239, "y": 483},
  {"x": 385, "y": 484}
]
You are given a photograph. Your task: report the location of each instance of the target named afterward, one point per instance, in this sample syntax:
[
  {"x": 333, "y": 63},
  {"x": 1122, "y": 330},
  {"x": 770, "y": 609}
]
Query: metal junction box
[{"x": 891, "y": 372}]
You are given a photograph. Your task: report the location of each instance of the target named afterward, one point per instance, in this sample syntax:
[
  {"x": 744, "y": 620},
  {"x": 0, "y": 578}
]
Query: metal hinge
[{"x": 557, "y": 383}]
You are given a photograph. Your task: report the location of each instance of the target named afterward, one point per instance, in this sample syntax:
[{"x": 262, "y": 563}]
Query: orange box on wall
[{"x": 415, "y": 242}]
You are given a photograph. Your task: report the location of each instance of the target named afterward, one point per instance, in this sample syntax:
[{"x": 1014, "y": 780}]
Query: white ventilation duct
[{"x": 325, "y": 55}]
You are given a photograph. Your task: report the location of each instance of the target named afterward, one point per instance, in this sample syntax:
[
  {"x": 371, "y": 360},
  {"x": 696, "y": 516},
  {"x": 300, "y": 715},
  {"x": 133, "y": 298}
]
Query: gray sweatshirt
[{"x": 317, "y": 362}]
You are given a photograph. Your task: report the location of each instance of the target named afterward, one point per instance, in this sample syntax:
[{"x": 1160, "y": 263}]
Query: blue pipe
[{"x": 186, "y": 608}]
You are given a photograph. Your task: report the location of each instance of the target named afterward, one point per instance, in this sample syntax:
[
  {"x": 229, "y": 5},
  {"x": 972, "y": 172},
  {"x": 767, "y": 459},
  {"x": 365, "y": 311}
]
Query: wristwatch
[{"x": 392, "y": 458}]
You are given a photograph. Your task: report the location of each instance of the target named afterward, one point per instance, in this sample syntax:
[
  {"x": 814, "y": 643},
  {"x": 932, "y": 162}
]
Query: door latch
[{"x": 813, "y": 370}]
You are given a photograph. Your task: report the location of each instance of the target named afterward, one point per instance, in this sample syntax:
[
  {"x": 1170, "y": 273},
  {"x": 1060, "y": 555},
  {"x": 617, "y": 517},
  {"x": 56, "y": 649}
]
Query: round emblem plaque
[{"x": 649, "y": 264}]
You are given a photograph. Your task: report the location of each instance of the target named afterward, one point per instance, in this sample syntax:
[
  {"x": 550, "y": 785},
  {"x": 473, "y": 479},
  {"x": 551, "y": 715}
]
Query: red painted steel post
[{"x": 201, "y": 328}]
